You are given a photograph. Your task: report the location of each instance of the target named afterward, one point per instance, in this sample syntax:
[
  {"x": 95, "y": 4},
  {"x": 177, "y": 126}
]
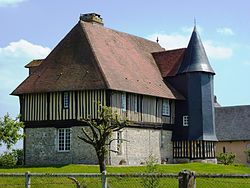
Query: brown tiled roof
[
  {"x": 34, "y": 63},
  {"x": 94, "y": 57},
  {"x": 169, "y": 61}
]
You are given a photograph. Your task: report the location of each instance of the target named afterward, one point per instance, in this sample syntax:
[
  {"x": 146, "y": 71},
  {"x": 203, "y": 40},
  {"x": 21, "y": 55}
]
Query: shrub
[
  {"x": 248, "y": 154},
  {"x": 226, "y": 158},
  {"x": 151, "y": 167},
  {"x": 122, "y": 162},
  {"x": 7, "y": 160},
  {"x": 19, "y": 156}
]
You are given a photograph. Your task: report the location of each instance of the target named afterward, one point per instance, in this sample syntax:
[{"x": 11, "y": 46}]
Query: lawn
[
  {"x": 169, "y": 168},
  {"x": 127, "y": 182}
]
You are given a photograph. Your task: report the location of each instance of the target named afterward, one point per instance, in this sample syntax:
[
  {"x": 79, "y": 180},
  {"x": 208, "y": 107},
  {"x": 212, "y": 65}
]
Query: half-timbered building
[{"x": 167, "y": 96}]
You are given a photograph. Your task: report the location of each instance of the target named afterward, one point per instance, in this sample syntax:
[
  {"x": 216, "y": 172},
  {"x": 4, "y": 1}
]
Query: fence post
[
  {"x": 104, "y": 179},
  {"x": 187, "y": 179},
  {"x": 27, "y": 179}
]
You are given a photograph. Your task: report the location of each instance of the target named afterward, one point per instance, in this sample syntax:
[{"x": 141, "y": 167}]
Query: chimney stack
[{"x": 92, "y": 18}]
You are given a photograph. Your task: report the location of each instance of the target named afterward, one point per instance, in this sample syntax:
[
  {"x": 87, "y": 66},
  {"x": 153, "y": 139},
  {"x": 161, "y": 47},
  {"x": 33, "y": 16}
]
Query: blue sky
[{"x": 30, "y": 29}]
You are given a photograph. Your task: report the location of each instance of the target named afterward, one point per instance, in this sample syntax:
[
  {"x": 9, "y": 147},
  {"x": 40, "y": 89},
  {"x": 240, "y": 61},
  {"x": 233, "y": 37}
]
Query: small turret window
[
  {"x": 185, "y": 120},
  {"x": 165, "y": 107}
]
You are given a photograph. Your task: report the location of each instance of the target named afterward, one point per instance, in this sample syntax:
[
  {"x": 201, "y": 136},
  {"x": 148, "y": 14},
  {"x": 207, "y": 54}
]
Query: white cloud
[
  {"x": 13, "y": 57},
  {"x": 216, "y": 51},
  {"x": 170, "y": 41},
  {"x": 23, "y": 48},
  {"x": 225, "y": 31},
  {"x": 6, "y": 3},
  {"x": 174, "y": 41}
]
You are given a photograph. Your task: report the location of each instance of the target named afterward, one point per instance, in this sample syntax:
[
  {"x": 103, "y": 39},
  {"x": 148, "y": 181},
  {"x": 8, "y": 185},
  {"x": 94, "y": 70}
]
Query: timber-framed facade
[{"x": 166, "y": 95}]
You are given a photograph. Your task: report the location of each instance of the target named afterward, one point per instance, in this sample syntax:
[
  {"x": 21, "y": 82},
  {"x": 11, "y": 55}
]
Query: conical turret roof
[{"x": 195, "y": 58}]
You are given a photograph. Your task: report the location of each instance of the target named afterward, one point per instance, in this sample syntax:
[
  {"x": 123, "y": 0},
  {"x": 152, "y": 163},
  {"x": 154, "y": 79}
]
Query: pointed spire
[{"x": 195, "y": 58}]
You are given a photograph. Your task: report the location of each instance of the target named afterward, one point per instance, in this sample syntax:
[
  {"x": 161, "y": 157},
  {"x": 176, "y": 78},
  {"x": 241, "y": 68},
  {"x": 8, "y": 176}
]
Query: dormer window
[
  {"x": 165, "y": 107},
  {"x": 124, "y": 102},
  {"x": 185, "y": 121},
  {"x": 65, "y": 100}
]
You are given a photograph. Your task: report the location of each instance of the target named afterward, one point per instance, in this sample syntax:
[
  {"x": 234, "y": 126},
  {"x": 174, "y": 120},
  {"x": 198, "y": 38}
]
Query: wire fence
[{"x": 131, "y": 180}]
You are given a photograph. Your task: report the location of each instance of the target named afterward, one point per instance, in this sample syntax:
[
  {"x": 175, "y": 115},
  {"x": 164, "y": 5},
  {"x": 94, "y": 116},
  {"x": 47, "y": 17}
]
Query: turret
[{"x": 194, "y": 132}]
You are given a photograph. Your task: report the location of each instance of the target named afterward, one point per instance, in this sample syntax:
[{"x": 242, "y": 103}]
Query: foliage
[
  {"x": 8, "y": 160},
  {"x": 19, "y": 156},
  {"x": 226, "y": 158},
  {"x": 99, "y": 131},
  {"x": 248, "y": 154},
  {"x": 10, "y": 130},
  {"x": 151, "y": 167}
]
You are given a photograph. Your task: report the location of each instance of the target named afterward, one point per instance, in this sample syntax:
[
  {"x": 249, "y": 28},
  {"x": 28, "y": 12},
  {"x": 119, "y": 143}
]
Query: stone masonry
[{"x": 41, "y": 147}]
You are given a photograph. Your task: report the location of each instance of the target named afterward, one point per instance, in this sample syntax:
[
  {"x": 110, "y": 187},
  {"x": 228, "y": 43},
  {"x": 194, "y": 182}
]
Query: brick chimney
[{"x": 91, "y": 17}]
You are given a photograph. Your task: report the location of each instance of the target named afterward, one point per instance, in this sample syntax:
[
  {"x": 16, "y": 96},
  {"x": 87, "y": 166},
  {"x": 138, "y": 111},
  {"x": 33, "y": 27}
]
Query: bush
[
  {"x": 19, "y": 156},
  {"x": 8, "y": 160},
  {"x": 226, "y": 158},
  {"x": 248, "y": 154},
  {"x": 151, "y": 167}
]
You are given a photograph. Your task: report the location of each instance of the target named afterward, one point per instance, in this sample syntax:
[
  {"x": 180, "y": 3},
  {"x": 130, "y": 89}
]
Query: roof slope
[
  {"x": 169, "y": 61},
  {"x": 195, "y": 58},
  {"x": 232, "y": 123},
  {"x": 94, "y": 57},
  {"x": 70, "y": 66}
]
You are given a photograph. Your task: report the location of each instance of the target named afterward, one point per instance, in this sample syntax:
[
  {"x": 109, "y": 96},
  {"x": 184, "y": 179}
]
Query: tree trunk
[
  {"x": 102, "y": 166},
  {"x": 101, "y": 161}
]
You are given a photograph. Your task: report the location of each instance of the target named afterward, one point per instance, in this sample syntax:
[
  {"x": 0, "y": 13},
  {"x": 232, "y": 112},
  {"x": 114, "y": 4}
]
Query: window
[
  {"x": 136, "y": 103},
  {"x": 185, "y": 120},
  {"x": 124, "y": 104},
  {"x": 65, "y": 99},
  {"x": 224, "y": 150},
  {"x": 119, "y": 142},
  {"x": 64, "y": 139},
  {"x": 165, "y": 107}
]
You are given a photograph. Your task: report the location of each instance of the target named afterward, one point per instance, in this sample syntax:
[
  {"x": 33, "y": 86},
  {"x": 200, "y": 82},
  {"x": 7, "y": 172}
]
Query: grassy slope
[{"x": 171, "y": 168}]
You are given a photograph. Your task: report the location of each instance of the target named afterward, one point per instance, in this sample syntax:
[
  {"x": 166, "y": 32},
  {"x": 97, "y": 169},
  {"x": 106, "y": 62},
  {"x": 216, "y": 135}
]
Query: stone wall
[
  {"x": 41, "y": 147},
  {"x": 139, "y": 144}
]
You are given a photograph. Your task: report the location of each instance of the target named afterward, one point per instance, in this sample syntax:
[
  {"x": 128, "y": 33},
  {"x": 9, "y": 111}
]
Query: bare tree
[{"x": 99, "y": 131}]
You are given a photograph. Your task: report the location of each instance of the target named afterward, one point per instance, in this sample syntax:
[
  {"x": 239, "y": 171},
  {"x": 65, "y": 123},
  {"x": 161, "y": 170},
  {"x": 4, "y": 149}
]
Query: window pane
[
  {"x": 185, "y": 120},
  {"x": 64, "y": 139},
  {"x": 123, "y": 105},
  {"x": 165, "y": 107},
  {"x": 119, "y": 142},
  {"x": 65, "y": 100}
]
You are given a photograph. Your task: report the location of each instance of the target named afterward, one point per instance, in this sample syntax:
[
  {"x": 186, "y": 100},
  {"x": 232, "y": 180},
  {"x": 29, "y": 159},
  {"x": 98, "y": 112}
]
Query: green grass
[
  {"x": 169, "y": 168},
  {"x": 117, "y": 182}
]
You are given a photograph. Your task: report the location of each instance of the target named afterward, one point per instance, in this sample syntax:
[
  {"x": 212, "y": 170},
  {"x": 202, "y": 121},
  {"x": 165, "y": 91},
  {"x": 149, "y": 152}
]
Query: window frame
[
  {"x": 119, "y": 142},
  {"x": 165, "y": 107},
  {"x": 64, "y": 139},
  {"x": 124, "y": 102},
  {"x": 65, "y": 100},
  {"x": 185, "y": 121}
]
